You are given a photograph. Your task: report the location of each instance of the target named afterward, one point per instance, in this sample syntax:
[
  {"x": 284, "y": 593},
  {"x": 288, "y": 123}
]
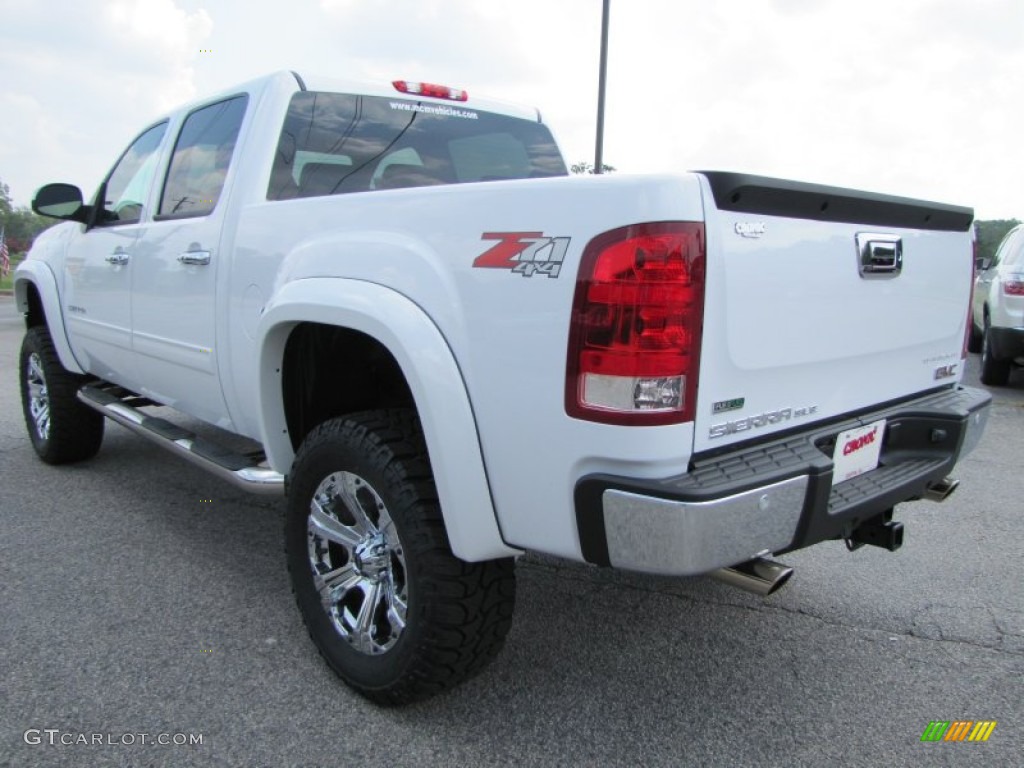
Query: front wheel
[
  {"x": 62, "y": 429},
  {"x": 388, "y": 605}
]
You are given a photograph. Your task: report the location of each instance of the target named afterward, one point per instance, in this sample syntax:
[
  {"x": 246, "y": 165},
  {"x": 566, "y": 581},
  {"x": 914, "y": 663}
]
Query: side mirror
[
  {"x": 60, "y": 201},
  {"x": 981, "y": 264}
]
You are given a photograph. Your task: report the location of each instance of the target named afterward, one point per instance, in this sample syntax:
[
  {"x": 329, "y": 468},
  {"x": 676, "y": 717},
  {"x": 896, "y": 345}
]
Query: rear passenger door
[{"x": 175, "y": 280}]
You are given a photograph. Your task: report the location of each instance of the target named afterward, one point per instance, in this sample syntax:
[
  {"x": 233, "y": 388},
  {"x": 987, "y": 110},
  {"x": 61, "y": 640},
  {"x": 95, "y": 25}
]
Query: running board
[{"x": 243, "y": 471}]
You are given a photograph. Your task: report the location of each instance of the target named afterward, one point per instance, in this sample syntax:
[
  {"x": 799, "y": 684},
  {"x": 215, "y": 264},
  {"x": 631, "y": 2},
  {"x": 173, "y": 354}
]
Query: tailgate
[{"x": 821, "y": 302}]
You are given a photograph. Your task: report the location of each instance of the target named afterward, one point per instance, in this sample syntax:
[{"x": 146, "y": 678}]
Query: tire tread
[
  {"x": 467, "y": 607},
  {"x": 994, "y": 372},
  {"x": 76, "y": 431}
]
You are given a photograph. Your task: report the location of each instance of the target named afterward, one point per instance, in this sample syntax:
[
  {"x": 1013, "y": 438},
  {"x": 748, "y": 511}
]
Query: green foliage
[
  {"x": 990, "y": 234},
  {"x": 7, "y": 282},
  {"x": 20, "y": 225}
]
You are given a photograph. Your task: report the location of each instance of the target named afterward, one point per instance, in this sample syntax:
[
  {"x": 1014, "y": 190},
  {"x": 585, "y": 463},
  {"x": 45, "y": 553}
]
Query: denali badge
[
  {"x": 750, "y": 228},
  {"x": 761, "y": 420}
]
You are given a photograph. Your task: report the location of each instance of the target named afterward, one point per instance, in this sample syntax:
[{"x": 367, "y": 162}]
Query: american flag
[{"x": 5, "y": 257}]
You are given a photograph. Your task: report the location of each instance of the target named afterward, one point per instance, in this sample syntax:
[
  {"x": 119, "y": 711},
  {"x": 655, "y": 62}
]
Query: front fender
[
  {"x": 38, "y": 273},
  {"x": 433, "y": 377}
]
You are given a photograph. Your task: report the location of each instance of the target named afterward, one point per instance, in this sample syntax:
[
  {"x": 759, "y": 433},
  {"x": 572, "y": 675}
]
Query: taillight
[
  {"x": 1013, "y": 286},
  {"x": 970, "y": 293},
  {"x": 431, "y": 90},
  {"x": 634, "y": 337}
]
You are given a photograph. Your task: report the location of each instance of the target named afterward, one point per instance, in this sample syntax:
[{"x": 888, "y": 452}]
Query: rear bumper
[
  {"x": 773, "y": 495},
  {"x": 1007, "y": 343}
]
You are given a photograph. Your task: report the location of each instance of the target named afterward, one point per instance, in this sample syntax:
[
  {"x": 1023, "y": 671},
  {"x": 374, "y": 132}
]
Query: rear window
[
  {"x": 333, "y": 143},
  {"x": 1014, "y": 253}
]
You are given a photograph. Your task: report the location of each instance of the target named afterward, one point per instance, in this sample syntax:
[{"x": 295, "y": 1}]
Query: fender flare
[
  {"x": 434, "y": 379},
  {"x": 38, "y": 274}
]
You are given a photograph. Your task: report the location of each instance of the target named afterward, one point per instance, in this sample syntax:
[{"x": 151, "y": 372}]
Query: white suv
[{"x": 997, "y": 309}]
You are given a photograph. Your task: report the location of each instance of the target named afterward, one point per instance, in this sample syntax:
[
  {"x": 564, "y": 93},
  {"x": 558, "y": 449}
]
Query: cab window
[
  {"x": 124, "y": 192},
  {"x": 335, "y": 143},
  {"x": 202, "y": 156}
]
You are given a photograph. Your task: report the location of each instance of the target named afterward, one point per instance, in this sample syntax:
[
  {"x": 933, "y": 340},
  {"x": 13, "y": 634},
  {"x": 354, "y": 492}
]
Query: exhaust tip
[
  {"x": 759, "y": 576},
  {"x": 941, "y": 489}
]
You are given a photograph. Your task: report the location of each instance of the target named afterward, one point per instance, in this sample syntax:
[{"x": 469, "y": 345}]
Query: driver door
[{"x": 99, "y": 263}]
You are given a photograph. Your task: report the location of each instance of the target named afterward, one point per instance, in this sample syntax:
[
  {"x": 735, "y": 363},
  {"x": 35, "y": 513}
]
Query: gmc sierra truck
[{"x": 445, "y": 352}]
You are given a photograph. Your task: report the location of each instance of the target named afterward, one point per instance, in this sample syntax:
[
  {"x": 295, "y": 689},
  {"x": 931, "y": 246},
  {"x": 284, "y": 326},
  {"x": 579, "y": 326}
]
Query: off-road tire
[
  {"x": 457, "y": 614},
  {"x": 70, "y": 431},
  {"x": 995, "y": 373}
]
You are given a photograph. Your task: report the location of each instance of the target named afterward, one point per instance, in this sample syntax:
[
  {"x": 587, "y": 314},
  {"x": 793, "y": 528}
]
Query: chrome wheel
[
  {"x": 61, "y": 428},
  {"x": 38, "y": 396},
  {"x": 387, "y": 603},
  {"x": 358, "y": 563}
]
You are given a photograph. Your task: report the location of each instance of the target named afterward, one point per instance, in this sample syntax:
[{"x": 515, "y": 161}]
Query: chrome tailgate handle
[
  {"x": 195, "y": 258},
  {"x": 879, "y": 256}
]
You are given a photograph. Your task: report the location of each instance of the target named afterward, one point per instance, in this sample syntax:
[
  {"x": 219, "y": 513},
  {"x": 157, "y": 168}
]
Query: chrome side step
[{"x": 243, "y": 471}]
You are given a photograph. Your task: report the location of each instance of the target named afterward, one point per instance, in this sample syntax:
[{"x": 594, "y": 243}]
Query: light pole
[{"x": 599, "y": 151}]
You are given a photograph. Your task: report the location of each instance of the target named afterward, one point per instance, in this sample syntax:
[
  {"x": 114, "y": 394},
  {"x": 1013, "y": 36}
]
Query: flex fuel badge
[{"x": 525, "y": 253}]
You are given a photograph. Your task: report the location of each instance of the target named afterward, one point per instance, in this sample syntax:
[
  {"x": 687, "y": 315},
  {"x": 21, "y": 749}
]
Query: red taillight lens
[
  {"x": 970, "y": 294},
  {"x": 431, "y": 90},
  {"x": 1013, "y": 287},
  {"x": 634, "y": 339}
]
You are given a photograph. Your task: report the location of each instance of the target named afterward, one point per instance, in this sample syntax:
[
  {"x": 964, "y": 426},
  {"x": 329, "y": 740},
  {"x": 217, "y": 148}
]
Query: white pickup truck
[{"x": 446, "y": 351}]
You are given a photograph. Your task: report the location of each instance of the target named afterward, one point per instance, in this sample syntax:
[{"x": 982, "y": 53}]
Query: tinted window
[
  {"x": 126, "y": 187},
  {"x": 1014, "y": 253},
  {"x": 1005, "y": 247},
  {"x": 333, "y": 143},
  {"x": 201, "y": 159}
]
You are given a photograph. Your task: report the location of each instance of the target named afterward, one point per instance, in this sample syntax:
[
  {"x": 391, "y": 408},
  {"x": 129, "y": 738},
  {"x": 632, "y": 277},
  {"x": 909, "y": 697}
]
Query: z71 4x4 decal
[{"x": 525, "y": 253}]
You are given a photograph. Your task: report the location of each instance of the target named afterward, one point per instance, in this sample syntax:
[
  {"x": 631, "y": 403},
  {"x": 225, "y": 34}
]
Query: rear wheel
[
  {"x": 62, "y": 429},
  {"x": 387, "y": 604},
  {"x": 974, "y": 338},
  {"x": 995, "y": 373}
]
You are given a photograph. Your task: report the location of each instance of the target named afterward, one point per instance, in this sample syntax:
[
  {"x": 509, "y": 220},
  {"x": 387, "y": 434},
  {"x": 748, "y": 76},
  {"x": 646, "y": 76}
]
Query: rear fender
[{"x": 433, "y": 377}]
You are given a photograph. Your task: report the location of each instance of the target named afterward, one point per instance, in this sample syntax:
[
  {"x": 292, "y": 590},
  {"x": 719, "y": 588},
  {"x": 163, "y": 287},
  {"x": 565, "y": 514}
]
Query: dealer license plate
[{"x": 857, "y": 451}]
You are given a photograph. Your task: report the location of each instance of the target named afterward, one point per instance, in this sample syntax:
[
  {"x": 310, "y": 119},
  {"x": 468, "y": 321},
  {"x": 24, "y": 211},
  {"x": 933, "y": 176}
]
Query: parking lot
[{"x": 143, "y": 596}]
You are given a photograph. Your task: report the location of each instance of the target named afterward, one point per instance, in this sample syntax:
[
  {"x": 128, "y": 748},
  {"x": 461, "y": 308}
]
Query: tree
[
  {"x": 990, "y": 234},
  {"x": 20, "y": 225},
  {"x": 5, "y": 201},
  {"x": 583, "y": 167}
]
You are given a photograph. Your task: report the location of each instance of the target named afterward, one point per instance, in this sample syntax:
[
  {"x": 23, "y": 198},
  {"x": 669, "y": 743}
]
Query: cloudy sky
[{"x": 908, "y": 97}]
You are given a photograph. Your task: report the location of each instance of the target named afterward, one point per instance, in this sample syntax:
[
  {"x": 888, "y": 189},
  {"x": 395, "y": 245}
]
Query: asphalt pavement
[{"x": 142, "y": 596}]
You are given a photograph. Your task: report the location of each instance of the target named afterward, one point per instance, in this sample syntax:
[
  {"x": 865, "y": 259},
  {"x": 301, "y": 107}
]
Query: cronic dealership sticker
[{"x": 857, "y": 451}]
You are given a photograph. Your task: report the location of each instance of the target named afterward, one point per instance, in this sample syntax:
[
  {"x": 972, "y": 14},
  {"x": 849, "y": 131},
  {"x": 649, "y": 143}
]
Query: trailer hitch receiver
[{"x": 879, "y": 531}]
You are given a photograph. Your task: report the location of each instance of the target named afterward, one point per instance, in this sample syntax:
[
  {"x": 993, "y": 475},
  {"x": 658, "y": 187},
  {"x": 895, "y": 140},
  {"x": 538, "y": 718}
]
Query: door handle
[
  {"x": 195, "y": 258},
  {"x": 118, "y": 258}
]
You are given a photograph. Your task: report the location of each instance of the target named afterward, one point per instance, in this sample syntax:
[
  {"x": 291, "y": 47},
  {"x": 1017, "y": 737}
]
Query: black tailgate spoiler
[{"x": 798, "y": 200}]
